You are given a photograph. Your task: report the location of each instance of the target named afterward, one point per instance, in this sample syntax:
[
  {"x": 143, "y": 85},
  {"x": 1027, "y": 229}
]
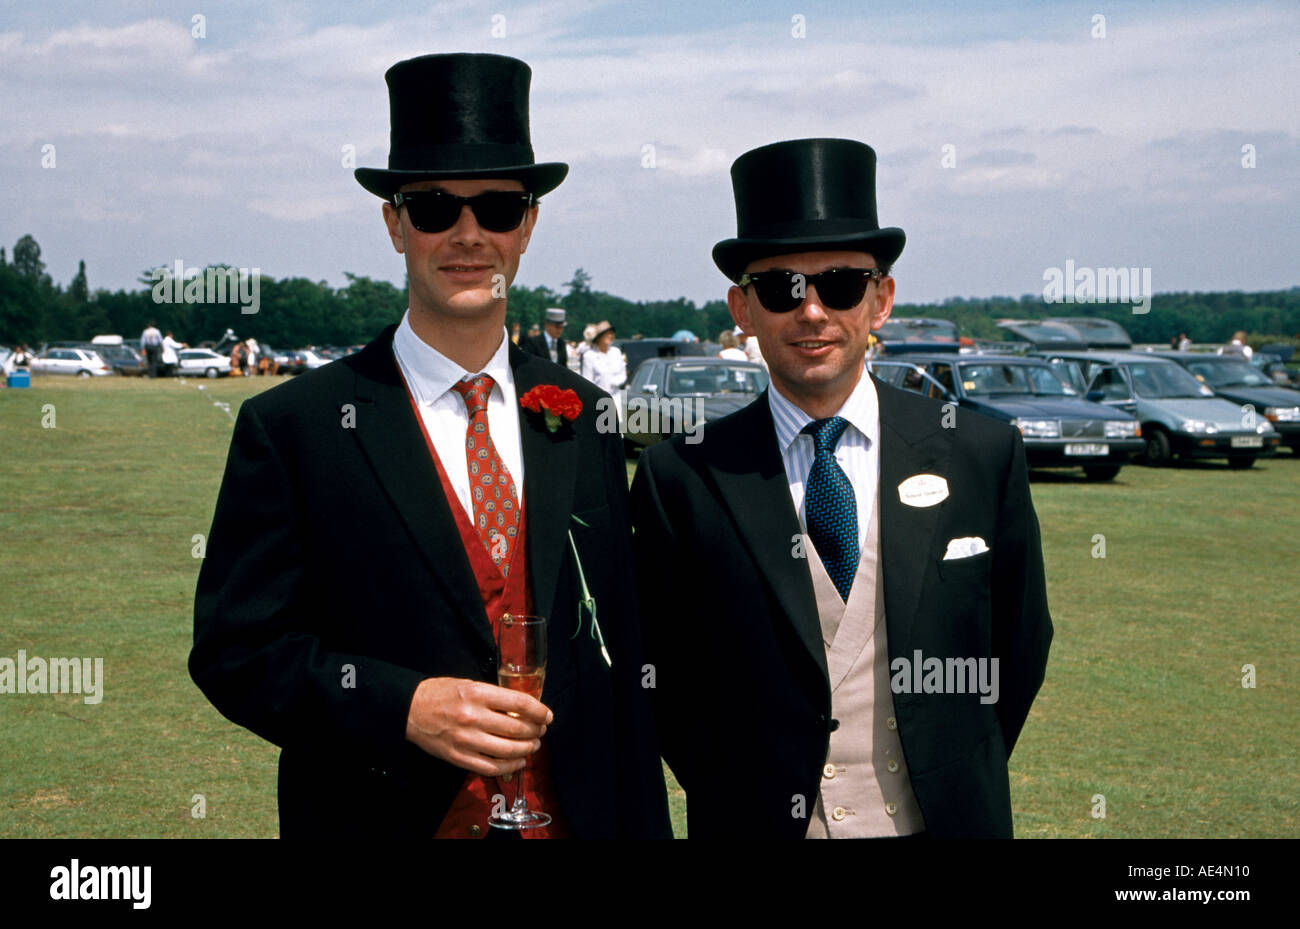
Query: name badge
[{"x": 922, "y": 490}]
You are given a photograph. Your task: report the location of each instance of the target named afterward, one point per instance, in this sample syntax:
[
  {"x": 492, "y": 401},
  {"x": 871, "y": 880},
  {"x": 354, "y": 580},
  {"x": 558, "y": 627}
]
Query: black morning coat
[
  {"x": 334, "y": 558},
  {"x": 730, "y": 619}
]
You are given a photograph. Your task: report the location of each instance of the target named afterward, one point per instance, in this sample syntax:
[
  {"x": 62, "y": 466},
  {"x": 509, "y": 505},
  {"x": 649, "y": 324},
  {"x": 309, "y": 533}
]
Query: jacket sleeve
[
  {"x": 1022, "y": 626},
  {"x": 256, "y": 654}
]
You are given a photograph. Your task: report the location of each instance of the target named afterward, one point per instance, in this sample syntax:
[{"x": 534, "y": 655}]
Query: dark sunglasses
[
  {"x": 438, "y": 211},
  {"x": 838, "y": 288}
]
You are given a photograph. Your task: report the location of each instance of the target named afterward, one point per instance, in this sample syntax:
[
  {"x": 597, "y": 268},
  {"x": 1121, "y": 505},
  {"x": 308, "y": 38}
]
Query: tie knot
[
  {"x": 474, "y": 391},
  {"x": 826, "y": 432}
]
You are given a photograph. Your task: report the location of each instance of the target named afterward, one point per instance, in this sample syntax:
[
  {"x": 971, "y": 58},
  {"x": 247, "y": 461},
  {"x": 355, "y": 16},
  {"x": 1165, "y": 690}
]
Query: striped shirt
[{"x": 857, "y": 452}]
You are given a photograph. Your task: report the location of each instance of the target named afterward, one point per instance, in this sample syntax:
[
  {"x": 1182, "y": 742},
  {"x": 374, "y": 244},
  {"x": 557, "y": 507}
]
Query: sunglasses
[
  {"x": 438, "y": 211},
  {"x": 838, "y": 288}
]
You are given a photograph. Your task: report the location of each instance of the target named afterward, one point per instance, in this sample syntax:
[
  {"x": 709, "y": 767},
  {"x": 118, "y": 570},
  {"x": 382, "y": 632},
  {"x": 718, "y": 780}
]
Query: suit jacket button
[
  {"x": 892, "y": 765},
  {"x": 835, "y": 724},
  {"x": 475, "y": 830},
  {"x": 891, "y": 723}
]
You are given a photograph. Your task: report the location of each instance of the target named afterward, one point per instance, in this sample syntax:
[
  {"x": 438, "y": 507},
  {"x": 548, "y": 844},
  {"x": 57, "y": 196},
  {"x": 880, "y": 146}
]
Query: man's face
[
  {"x": 813, "y": 351},
  {"x": 454, "y": 273},
  {"x": 555, "y": 330}
]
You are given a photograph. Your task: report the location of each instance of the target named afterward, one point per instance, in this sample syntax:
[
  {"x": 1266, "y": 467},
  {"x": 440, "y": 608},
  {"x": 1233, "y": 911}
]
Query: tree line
[{"x": 295, "y": 312}]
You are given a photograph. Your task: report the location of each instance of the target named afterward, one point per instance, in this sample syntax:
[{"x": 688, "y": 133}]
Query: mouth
[
  {"x": 465, "y": 273},
  {"x": 812, "y": 348}
]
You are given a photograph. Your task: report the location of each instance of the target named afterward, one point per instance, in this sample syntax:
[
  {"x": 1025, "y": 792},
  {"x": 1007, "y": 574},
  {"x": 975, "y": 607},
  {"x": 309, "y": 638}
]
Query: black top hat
[
  {"x": 459, "y": 116},
  {"x": 807, "y": 195}
]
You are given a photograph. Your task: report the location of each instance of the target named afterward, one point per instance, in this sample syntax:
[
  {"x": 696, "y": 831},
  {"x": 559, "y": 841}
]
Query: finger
[
  {"x": 483, "y": 743},
  {"x": 508, "y": 727},
  {"x": 512, "y": 701},
  {"x": 484, "y": 764}
]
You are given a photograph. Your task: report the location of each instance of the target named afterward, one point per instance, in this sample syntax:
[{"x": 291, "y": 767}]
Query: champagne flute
[{"x": 521, "y": 665}]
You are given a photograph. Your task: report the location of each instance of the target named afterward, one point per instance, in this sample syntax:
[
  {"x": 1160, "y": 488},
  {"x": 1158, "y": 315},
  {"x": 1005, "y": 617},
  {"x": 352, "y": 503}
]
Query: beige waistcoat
[{"x": 865, "y": 791}]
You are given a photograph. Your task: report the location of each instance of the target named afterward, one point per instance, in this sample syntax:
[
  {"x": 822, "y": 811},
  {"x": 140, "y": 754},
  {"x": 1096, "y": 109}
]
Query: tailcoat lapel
[
  {"x": 390, "y": 437},
  {"x": 746, "y": 465},
  {"x": 550, "y": 470},
  {"x": 910, "y": 444}
]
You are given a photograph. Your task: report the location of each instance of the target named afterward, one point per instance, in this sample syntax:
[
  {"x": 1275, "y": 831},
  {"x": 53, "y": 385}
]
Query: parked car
[
  {"x": 1245, "y": 384},
  {"x": 1068, "y": 333},
  {"x": 313, "y": 358},
  {"x": 291, "y": 362},
  {"x": 1180, "y": 416},
  {"x": 901, "y": 335},
  {"x": 674, "y": 395},
  {"x": 202, "y": 361},
  {"x": 637, "y": 351},
  {"x": 123, "y": 359},
  {"x": 82, "y": 362},
  {"x": 1061, "y": 428}
]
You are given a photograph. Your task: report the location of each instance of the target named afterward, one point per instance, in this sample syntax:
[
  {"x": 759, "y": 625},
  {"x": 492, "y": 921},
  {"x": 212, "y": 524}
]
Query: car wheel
[
  {"x": 211, "y": 372},
  {"x": 83, "y": 374},
  {"x": 1158, "y": 452},
  {"x": 1100, "y": 472},
  {"x": 1242, "y": 463}
]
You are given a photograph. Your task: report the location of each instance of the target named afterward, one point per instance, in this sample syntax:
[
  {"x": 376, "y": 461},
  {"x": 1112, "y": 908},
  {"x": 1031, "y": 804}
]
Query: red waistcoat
[{"x": 467, "y": 817}]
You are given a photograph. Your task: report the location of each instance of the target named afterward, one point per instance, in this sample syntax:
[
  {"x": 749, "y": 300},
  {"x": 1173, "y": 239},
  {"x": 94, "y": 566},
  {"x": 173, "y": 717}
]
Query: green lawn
[{"x": 1143, "y": 701}]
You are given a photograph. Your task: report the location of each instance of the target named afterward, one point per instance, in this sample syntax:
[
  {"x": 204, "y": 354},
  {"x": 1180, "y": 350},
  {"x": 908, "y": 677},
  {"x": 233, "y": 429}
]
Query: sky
[{"x": 1011, "y": 136}]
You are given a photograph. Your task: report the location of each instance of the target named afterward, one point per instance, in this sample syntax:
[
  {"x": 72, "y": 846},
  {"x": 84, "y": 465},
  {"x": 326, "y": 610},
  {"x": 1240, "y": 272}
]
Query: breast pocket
[
  {"x": 590, "y": 519},
  {"x": 973, "y": 568}
]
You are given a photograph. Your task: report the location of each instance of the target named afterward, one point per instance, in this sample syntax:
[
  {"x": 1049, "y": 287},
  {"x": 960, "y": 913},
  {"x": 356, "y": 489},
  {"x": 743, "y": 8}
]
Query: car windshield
[
  {"x": 715, "y": 379},
  {"x": 917, "y": 330},
  {"x": 1027, "y": 379},
  {"x": 1163, "y": 381},
  {"x": 1229, "y": 373}
]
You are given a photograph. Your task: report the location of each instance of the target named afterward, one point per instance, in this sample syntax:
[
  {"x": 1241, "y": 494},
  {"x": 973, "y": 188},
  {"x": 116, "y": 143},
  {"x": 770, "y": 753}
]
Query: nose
[
  {"x": 811, "y": 310},
  {"x": 467, "y": 230}
]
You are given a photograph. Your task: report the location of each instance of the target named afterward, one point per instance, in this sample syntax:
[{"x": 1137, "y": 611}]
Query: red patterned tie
[{"x": 496, "y": 502}]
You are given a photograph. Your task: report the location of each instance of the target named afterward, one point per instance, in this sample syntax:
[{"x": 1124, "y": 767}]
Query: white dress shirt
[
  {"x": 430, "y": 375},
  {"x": 857, "y": 451}
]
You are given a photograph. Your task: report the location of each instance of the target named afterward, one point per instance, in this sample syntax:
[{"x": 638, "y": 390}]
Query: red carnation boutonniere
[{"x": 558, "y": 405}]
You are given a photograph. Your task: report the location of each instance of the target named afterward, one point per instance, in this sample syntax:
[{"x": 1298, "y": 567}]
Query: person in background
[
  {"x": 731, "y": 349},
  {"x": 151, "y": 343},
  {"x": 602, "y": 364},
  {"x": 551, "y": 345},
  {"x": 749, "y": 346},
  {"x": 514, "y": 333},
  {"x": 252, "y": 356},
  {"x": 1238, "y": 346},
  {"x": 237, "y": 358},
  {"x": 170, "y": 356}
]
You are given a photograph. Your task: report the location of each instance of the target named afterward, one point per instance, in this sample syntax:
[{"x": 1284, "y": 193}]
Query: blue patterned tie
[{"x": 830, "y": 508}]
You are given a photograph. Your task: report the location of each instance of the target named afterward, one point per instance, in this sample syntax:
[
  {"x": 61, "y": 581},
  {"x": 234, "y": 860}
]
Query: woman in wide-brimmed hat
[{"x": 602, "y": 363}]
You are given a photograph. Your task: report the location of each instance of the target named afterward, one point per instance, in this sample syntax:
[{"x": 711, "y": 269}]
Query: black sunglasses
[
  {"x": 438, "y": 211},
  {"x": 838, "y": 288}
]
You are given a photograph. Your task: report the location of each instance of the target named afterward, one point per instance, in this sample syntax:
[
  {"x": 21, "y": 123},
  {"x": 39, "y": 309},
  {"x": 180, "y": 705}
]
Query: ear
[
  {"x": 530, "y": 220},
  {"x": 883, "y": 304},
  {"x": 393, "y": 220},
  {"x": 738, "y": 306}
]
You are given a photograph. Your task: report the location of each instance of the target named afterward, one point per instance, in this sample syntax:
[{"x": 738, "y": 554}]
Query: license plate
[
  {"x": 1247, "y": 441},
  {"x": 1087, "y": 449}
]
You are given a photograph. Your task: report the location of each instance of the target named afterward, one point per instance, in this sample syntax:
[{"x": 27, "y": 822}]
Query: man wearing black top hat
[
  {"x": 380, "y": 517},
  {"x": 867, "y": 600},
  {"x": 550, "y": 342}
]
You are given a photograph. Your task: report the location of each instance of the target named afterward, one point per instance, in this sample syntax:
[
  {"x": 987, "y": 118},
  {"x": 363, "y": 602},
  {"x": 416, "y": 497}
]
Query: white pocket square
[{"x": 964, "y": 548}]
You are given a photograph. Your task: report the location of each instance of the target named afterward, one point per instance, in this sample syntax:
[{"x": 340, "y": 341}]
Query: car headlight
[
  {"x": 1264, "y": 428},
  {"x": 1118, "y": 429},
  {"x": 1038, "y": 428},
  {"x": 1282, "y": 414},
  {"x": 1199, "y": 426}
]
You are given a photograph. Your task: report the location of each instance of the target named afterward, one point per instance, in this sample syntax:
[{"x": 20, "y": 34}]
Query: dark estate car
[
  {"x": 674, "y": 395},
  {"x": 1061, "y": 429},
  {"x": 1236, "y": 379},
  {"x": 637, "y": 351},
  {"x": 1180, "y": 416},
  {"x": 904, "y": 336},
  {"x": 1067, "y": 333}
]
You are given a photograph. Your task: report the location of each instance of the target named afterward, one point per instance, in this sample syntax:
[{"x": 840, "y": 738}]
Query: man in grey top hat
[{"x": 550, "y": 344}]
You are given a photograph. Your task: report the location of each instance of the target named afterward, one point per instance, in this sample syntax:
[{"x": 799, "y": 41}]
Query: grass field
[{"x": 1143, "y": 701}]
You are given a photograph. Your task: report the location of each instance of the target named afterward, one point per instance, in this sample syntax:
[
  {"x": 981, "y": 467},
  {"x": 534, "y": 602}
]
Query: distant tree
[
  {"x": 78, "y": 290},
  {"x": 27, "y": 258}
]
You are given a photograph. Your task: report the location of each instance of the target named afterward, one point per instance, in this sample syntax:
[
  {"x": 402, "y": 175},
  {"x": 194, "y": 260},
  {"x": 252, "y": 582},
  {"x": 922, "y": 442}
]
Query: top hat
[
  {"x": 459, "y": 116},
  {"x": 807, "y": 195},
  {"x": 555, "y": 314}
]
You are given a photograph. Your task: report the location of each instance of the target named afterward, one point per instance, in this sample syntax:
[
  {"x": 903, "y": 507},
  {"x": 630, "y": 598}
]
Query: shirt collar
[
  {"x": 432, "y": 374},
  {"x": 861, "y": 409}
]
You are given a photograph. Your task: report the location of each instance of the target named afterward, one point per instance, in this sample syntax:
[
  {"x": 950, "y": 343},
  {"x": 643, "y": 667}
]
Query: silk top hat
[
  {"x": 807, "y": 195},
  {"x": 459, "y": 116}
]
